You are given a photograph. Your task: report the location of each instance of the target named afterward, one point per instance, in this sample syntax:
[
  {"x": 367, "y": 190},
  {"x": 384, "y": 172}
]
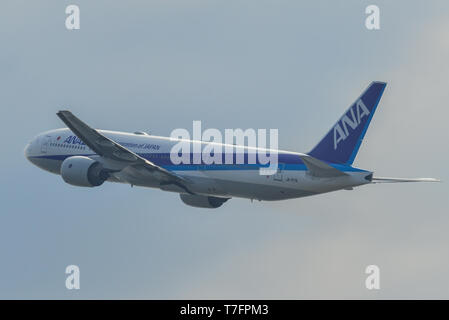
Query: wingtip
[{"x": 63, "y": 114}]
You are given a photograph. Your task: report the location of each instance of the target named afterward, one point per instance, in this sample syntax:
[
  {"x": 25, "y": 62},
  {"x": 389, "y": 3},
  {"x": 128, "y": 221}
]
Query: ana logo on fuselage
[
  {"x": 341, "y": 131},
  {"x": 74, "y": 140}
]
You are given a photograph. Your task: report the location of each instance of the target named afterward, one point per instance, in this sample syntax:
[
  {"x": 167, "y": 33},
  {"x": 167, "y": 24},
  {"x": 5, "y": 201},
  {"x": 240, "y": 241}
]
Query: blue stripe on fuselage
[{"x": 286, "y": 161}]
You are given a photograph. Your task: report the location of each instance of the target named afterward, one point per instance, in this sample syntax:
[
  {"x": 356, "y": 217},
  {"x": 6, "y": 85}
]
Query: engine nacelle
[
  {"x": 83, "y": 172},
  {"x": 202, "y": 201}
]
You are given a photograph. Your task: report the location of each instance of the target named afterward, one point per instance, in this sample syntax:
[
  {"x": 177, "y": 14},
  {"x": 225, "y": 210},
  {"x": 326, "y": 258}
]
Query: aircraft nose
[
  {"x": 26, "y": 151},
  {"x": 29, "y": 149}
]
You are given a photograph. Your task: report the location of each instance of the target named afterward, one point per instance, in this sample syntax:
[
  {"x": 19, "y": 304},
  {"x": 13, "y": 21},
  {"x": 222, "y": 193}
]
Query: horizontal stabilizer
[
  {"x": 318, "y": 168},
  {"x": 395, "y": 180}
]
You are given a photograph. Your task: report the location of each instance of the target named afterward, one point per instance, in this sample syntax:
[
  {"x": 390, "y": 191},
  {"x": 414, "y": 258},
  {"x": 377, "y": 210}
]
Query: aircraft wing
[
  {"x": 395, "y": 180},
  {"x": 110, "y": 149}
]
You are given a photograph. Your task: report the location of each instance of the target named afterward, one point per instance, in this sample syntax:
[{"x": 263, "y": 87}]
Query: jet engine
[
  {"x": 202, "y": 201},
  {"x": 83, "y": 172}
]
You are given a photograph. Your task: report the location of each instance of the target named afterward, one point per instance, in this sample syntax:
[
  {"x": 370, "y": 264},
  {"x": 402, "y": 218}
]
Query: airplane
[{"x": 88, "y": 157}]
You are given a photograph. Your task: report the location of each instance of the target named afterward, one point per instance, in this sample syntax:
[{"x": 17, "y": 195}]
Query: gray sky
[{"x": 291, "y": 65}]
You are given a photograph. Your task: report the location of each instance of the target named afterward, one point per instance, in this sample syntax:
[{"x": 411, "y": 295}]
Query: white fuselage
[{"x": 292, "y": 179}]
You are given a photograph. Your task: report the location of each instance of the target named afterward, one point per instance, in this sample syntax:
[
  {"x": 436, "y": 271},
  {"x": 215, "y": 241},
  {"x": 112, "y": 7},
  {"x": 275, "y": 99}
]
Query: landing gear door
[{"x": 278, "y": 176}]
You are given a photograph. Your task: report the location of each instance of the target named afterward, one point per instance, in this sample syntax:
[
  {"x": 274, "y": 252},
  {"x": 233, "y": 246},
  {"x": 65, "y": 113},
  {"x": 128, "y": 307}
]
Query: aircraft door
[
  {"x": 45, "y": 143},
  {"x": 278, "y": 176}
]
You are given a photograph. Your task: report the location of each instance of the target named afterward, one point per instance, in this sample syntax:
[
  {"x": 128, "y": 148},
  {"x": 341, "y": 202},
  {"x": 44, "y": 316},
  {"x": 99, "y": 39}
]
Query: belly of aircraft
[
  {"x": 246, "y": 184},
  {"x": 230, "y": 183}
]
